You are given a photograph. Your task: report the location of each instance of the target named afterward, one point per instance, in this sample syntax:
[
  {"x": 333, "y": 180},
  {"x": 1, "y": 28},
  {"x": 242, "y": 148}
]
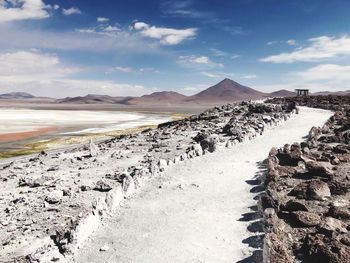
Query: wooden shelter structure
[{"x": 302, "y": 92}]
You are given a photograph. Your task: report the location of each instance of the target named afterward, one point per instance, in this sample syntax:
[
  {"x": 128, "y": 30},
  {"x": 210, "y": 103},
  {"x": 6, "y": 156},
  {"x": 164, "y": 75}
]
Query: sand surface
[{"x": 193, "y": 212}]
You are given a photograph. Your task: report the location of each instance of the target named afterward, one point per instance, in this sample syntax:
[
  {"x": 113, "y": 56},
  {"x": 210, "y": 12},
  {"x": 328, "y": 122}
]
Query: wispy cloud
[
  {"x": 320, "y": 49},
  {"x": 330, "y": 72},
  {"x": 71, "y": 11},
  {"x": 198, "y": 62},
  {"x": 44, "y": 74},
  {"x": 102, "y": 19},
  {"x": 222, "y": 75},
  {"x": 167, "y": 36},
  {"x": 182, "y": 8},
  {"x": 323, "y": 77},
  {"x": 218, "y": 53},
  {"x": 11, "y": 10},
  {"x": 122, "y": 69},
  {"x": 28, "y": 65},
  {"x": 193, "y": 89}
]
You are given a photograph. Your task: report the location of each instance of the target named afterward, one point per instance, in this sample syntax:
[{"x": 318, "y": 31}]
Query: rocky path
[{"x": 192, "y": 213}]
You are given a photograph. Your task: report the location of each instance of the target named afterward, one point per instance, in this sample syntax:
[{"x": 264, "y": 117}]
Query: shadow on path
[{"x": 256, "y": 228}]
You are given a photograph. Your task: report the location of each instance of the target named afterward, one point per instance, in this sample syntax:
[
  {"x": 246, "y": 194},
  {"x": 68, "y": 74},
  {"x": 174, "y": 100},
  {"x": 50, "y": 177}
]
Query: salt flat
[
  {"x": 19, "y": 120},
  {"x": 191, "y": 213}
]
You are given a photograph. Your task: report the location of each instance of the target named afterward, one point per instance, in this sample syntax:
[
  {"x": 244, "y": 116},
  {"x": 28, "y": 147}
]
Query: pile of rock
[
  {"x": 307, "y": 202},
  {"x": 55, "y": 200}
]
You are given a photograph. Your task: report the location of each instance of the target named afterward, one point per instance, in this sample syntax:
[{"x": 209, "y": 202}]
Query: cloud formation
[
  {"x": 167, "y": 36},
  {"x": 102, "y": 19},
  {"x": 25, "y": 65},
  {"x": 122, "y": 69},
  {"x": 45, "y": 75},
  {"x": 198, "y": 62},
  {"x": 321, "y": 48},
  {"x": 71, "y": 11},
  {"x": 11, "y": 10}
]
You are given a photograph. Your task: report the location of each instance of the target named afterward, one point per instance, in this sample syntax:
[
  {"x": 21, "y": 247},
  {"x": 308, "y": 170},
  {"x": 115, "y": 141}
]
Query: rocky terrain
[
  {"x": 306, "y": 205},
  {"x": 50, "y": 203}
]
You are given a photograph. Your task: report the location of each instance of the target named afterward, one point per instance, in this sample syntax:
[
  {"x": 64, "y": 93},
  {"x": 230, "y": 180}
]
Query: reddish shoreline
[{"x": 25, "y": 135}]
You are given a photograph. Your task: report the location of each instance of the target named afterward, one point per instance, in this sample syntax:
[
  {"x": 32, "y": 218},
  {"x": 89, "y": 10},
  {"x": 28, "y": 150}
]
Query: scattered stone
[
  {"x": 54, "y": 197},
  {"x": 102, "y": 186},
  {"x": 318, "y": 190},
  {"x": 305, "y": 219}
]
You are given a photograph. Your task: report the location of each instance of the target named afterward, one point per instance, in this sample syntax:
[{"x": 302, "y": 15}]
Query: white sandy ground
[
  {"x": 23, "y": 120},
  {"x": 191, "y": 213}
]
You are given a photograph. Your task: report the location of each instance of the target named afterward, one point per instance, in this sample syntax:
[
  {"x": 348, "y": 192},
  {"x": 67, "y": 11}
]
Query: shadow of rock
[
  {"x": 256, "y": 257},
  {"x": 255, "y": 241}
]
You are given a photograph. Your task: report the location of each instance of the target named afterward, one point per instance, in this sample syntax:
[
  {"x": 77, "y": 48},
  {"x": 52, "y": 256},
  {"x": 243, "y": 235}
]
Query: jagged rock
[
  {"x": 94, "y": 151},
  {"x": 294, "y": 205},
  {"x": 102, "y": 186},
  {"x": 54, "y": 197},
  {"x": 299, "y": 190},
  {"x": 318, "y": 190},
  {"x": 210, "y": 143},
  {"x": 320, "y": 169},
  {"x": 162, "y": 164},
  {"x": 329, "y": 225},
  {"x": 342, "y": 212},
  {"x": 128, "y": 185},
  {"x": 305, "y": 219},
  {"x": 324, "y": 250}
]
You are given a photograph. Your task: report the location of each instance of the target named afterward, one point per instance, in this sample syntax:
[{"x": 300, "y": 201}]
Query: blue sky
[{"x": 70, "y": 48}]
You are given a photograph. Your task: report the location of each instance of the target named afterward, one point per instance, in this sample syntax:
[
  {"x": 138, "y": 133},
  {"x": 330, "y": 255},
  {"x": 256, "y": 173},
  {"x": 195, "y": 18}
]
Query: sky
[{"x": 61, "y": 48}]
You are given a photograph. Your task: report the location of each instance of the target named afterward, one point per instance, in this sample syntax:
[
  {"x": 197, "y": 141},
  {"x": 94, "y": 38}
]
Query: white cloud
[
  {"x": 149, "y": 69},
  {"x": 71, "y": 11},
  {"x": 32, "y": 65},
  {"x": 110, "y": 28},
  {"x": 102, "y": 19},
  {"x": 122, "y": 69},
  {"x": 11, "y": 10},
  {"x": 235, "y": 56},
  {"x": 167, "y": 36},
  {"x": 218, "y": 53},
  {"x": 56, "y": 7},
  {"x": 291, "y": 42},
  {"x": 323, "y": 77},
  {"x": 89, "y": 39},
  {"x": 198, "y": 62},
  {"x": 321, "y": 48},
  {"x": 222, "y": 75},
  {"x": 329, "y": 72},
  {"x": 252, "y": 76},
  {"x": 45, "y": 75}
]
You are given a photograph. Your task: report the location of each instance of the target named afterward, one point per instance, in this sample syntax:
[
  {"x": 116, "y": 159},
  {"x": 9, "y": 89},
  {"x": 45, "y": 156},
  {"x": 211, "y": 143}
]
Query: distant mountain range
[
  {"x": 223, "y": 92},
  {"x": 16, "y": 95}
]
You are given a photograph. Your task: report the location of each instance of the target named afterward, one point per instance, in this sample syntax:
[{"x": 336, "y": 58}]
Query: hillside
[
  {"x": 16, "y": 95},
  {"x": 226, "y": 91},
  {"x": 223, "y": 92},
  {"x": 163, "y": 97}
]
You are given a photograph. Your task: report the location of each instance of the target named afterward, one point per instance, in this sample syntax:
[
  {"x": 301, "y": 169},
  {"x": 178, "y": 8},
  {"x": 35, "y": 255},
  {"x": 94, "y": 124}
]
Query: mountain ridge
[{"x": 225, "y": 91}]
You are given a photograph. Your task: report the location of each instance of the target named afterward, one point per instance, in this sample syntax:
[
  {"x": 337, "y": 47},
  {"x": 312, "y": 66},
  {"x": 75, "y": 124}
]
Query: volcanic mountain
[
  {"x": 223, "y": 92},
  {"x": 226, "y": 91}
]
